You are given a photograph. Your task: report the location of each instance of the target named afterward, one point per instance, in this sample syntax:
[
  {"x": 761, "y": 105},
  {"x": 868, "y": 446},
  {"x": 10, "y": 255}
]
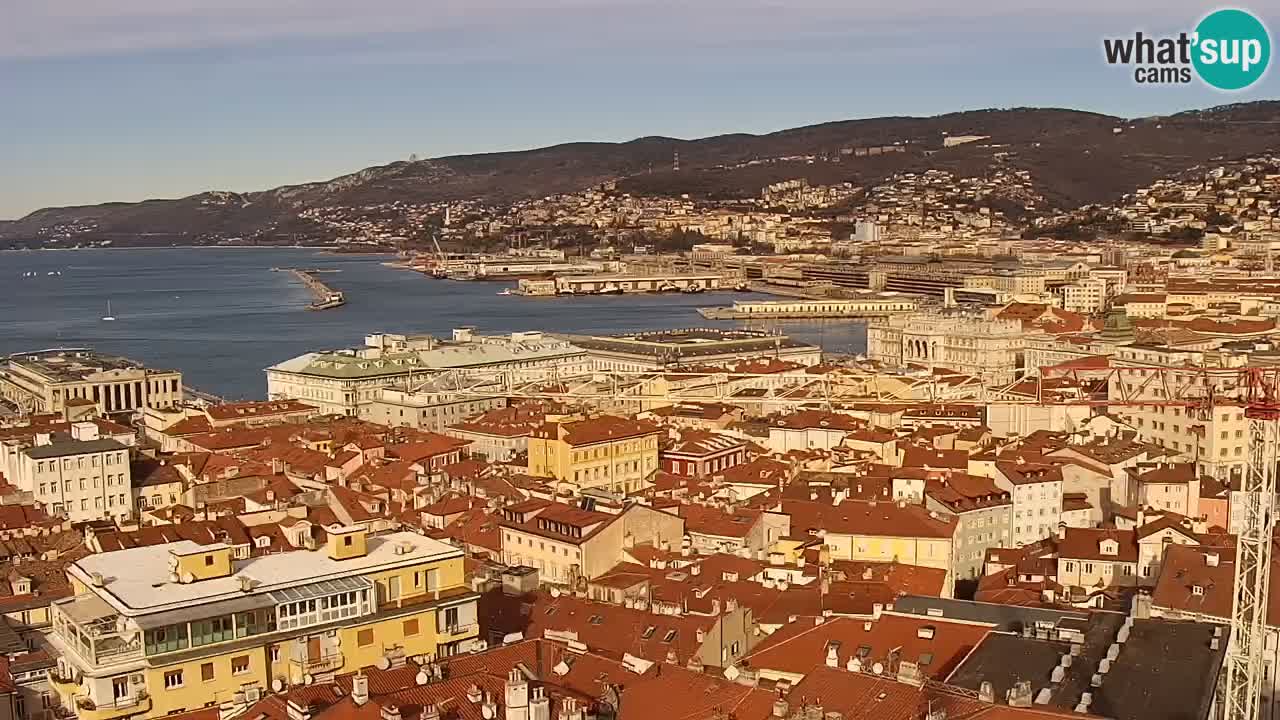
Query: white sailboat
[{"x": 108, "y": 317}]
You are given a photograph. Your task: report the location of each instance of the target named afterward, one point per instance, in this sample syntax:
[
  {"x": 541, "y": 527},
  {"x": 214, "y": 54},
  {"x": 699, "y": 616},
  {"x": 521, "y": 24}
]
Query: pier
[{"x": 326, "y": 297}]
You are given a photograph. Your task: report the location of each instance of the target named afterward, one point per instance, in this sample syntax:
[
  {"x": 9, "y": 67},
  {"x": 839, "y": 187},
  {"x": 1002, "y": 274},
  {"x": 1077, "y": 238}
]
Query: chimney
[
  {"x": 1020, "y": 695},
  {"x": 298, "y": 711},
  {"x": 986, "y": 692},
  {"x": 391, "y": 711},
  {"x": 569, "y": 709},
  {"x": 360, "y": 689},
  {"x": 539, "y": 705},
  {"x": 780, "y": 708},
  {"x": 517, "y": 696}
]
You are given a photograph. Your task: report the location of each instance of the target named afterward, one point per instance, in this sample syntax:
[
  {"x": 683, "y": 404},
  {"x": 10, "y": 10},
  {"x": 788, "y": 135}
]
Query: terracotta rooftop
[{"x": 937, "y": 644}]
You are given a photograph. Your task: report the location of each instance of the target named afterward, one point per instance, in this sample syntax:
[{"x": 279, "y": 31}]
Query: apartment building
[
  {"x": 503, "y": 433},
  {"x": 601, "y": 451},
  {"x": 1036, "y": 491},
  {"x": 80, "y": 474},
  {"x": 1168, "y": 487},
  {"x": 699, "y": 453},
  {"x": 566, "y": 543},
  {"x": 1092, "y": 558},
  {"x": 51, "y": 381},
  {"x": 1087, "y": 297},
  {"x": 983, "y": 512},
  {"x": 879, "y": 531},
  {"x": 430, "y": 407},
  {"x": 163, "y": 629},
  {"x": 1215, "y": 438}
]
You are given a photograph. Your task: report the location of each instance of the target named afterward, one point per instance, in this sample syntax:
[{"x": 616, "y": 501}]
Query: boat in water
[
  {"x": 108, "y": 317},
  {"x": 506, "y": 291},
  {"x": 609, "y": 289},
  {"x": 332, "y": 300}
]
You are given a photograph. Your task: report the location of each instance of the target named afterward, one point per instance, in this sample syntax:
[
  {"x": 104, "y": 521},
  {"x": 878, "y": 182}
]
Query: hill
[{"x": 1074, "y": 157}]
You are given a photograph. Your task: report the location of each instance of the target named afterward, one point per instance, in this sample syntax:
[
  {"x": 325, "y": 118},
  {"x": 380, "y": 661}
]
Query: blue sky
[{"x": 130, "y": 99}]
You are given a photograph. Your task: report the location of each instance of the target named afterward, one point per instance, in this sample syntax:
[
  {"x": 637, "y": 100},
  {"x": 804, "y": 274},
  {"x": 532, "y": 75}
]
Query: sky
[{"x": 122, "y": 100}]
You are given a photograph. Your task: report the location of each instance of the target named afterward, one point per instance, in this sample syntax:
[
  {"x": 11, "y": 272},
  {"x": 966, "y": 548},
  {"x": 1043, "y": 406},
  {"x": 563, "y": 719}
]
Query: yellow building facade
[
  {"x": 603, "y": 452},
  {"x": 177, "y": 627}
]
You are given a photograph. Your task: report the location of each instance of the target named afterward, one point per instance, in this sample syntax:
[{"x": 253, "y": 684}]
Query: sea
[{"x": 221, "y": 315}]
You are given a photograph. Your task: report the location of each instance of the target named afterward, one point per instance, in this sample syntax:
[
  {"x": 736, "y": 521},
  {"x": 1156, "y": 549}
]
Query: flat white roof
[{"x": 137, "y": 581}]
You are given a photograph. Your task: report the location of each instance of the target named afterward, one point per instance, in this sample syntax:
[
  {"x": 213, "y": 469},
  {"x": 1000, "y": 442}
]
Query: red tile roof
[
  {"x": 869, "y": 517},
  {"x": 796, "y": 648}
]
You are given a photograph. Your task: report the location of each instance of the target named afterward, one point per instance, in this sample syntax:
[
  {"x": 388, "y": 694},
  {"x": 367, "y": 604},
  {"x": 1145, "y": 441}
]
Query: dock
[{"x": 326, "y": 298}]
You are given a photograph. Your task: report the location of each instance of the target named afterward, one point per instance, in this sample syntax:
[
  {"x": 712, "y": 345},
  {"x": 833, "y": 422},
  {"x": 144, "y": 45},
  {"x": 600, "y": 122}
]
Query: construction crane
[
  {"x": 1195, "y": 389},
  {"x": 1243, "y": 690}
]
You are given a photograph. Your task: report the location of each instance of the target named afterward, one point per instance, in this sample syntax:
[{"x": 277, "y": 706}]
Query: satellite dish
[
  {"x": 555, "y": 592},
  {"x": 487, "y": 711},
  {"x": 422, "y": 677},
  {"x": 188, "y": 578},
  {"x": 308, "y": 679},
  {"x": 278, "y": 685},
  {"x": 383, "y": 663},
  {"x": 878, "y": 668}
]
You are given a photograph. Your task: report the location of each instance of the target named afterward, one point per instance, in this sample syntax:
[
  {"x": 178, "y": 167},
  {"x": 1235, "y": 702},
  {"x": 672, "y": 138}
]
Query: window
[
  {"x": 346, "y": 540},
  {"x": 648, "y": 632},
  {"x": 173, "y": 679},
  {"x": 275, "y": 653},
  {"x": 410, "y": 627},
  {"x": 364, "y": 638},
  {"x": 240, "y": 665},
  {"x": 206, "y": 672},
  {"x": 208, "y": 560},
  {"x": 669, "y": 637}
]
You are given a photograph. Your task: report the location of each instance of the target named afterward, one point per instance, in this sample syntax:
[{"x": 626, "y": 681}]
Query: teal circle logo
[{"x": 1232, "y": 49}]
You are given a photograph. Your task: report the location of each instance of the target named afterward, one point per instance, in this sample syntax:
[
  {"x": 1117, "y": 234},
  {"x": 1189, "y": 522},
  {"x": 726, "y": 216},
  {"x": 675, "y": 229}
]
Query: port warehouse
[
  {"x": 874, "y": 305},
  {"x": 916, "y": 275},
  {"x": 595, "y": 284}
]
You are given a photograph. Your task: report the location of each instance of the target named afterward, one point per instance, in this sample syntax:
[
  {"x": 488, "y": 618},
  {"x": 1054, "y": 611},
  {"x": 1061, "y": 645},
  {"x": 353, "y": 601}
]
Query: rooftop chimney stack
[{"x": 360, "y": 689}]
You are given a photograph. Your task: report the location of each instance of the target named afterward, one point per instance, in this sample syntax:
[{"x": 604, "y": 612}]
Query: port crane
[{"x": 1198, "y": 390}]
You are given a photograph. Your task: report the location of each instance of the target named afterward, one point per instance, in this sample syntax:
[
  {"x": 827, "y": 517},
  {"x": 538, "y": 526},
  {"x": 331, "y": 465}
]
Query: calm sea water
[{"x": 220, "y": 315}]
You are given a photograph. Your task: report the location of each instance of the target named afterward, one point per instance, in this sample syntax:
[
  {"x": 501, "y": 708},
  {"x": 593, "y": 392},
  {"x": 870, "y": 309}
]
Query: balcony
[
  {"x": 87, "y": 709},
  {"x": 465, "y": 629},
  {"x": 331, "y": 662},
  {"x": 94, "y": 631}
]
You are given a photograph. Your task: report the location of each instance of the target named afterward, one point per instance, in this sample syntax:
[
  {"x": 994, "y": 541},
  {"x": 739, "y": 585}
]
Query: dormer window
[
  {"x": 1197, "y": 590},
  {"x": 1109, "y": 547}
]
